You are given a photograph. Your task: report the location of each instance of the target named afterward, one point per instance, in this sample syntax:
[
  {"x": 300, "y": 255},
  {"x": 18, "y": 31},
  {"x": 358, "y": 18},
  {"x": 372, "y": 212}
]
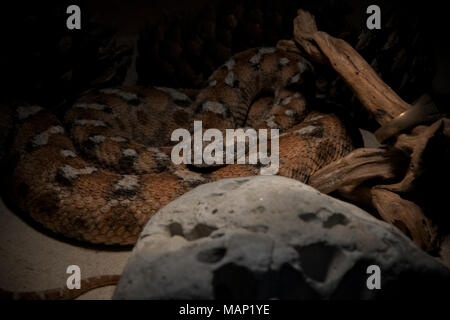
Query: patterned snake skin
[{"x": 100, "y": 173}]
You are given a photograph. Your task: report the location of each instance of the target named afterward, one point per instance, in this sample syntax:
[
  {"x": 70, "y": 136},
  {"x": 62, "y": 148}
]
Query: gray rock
[{"x": 272, "y": 237}]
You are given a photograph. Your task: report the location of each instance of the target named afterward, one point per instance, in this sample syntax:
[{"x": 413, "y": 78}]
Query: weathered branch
[
  {"x": 376, "y": 96},
  {"x": 359, "y": 175},
  {"x": 405, "y": 215},
  {"x": 416, "y": 144},
  {"x": 360, "y": 165}
]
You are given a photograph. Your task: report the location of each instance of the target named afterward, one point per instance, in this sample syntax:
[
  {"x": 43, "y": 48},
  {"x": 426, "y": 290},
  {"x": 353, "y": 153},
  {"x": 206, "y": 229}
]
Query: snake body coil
[{"x": 100, "y": 173}]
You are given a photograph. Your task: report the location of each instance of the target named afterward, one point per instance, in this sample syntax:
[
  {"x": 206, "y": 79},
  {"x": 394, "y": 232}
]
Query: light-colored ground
[{"x": 31, "y": 260}]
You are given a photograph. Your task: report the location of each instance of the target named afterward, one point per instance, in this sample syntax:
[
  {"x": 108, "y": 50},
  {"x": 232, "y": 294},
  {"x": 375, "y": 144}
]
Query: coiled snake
[{"x": 100, "y": 173}]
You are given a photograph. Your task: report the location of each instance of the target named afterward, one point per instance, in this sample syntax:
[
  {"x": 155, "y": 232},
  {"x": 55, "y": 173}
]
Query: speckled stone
[{"x": 272, "y": 237}]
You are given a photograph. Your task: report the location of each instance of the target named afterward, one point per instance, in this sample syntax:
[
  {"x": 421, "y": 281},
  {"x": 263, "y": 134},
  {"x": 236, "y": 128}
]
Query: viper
[{"x": 101, "y": 170}]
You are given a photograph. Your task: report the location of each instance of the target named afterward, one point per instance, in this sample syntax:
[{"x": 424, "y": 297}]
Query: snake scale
[{"x": 99, "y": 172}]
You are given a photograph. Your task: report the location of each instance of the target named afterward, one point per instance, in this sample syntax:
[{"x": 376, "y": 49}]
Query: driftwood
[
  {"x": 379, "y": 99},
  {"x": 383, "y": 179},
  {"x": 361, "y": 165},
  {"x": 378, "y": 178}
]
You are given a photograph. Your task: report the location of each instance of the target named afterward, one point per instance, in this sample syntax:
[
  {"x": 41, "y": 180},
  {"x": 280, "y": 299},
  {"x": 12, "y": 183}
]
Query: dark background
[{"x": 179, "y": 43}]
